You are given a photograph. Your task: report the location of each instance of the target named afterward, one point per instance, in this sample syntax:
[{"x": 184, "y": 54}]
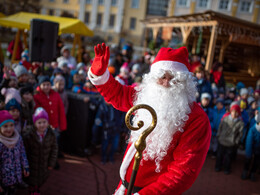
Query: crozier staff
[{"x": 177, "y": 147}]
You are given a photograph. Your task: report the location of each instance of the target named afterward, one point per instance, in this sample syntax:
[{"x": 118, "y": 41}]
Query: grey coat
[{"x": 230, "y": 131}]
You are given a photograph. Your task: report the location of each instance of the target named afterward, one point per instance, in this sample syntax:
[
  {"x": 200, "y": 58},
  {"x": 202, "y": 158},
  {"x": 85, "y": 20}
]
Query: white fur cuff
[{"x": 98, "y": 80}]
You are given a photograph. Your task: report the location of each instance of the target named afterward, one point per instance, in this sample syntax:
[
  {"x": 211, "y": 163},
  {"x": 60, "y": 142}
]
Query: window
[
  {"x": 87, "y": 17},
  {"x": 132, "y": 23},
  {"x": 99, "y": 19},
  {"x": 246, "y": 6},
  {"x": 112, "y": 20},
  {"x": 100, "y": 2},
  {"x": 65, "y": 1},
  {"x": 51, "y": 0},
  {"x": 88, "y": 1},
  {"x": 157, "y": 8},
  {"x": 135, "y": 4},
  {"x": 224, "y": 5},
  {"x": 183, "y": 3},
  {"x": 203, "y": 4},
  {"x": 51, "y": 12},
  {"x": 114, "y": 2}
]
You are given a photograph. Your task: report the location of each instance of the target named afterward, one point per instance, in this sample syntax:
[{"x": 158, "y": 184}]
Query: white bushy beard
[{"x": 172, "y": 106}]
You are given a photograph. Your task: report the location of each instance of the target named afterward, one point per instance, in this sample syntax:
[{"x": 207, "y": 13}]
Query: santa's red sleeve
[
  {"x": 120, "y": 96},
  {"x": 189, "y": 157}
]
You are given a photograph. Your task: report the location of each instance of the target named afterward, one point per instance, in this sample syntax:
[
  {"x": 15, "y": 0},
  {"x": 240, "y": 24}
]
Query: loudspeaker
[{"x": 43, "y": 40}]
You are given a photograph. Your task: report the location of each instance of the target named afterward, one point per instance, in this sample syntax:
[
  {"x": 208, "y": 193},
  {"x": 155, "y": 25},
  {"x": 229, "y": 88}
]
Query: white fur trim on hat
[
  {"x": 169, "y": 65},
  {"x": 98, "y": 80}
]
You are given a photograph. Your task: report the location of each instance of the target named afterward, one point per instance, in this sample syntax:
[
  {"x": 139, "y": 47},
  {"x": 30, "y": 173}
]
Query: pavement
[{"x": 87, "y": 176}]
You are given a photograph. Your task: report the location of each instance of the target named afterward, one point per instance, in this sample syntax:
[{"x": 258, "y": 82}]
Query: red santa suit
[{"x": 185, "y": 156}]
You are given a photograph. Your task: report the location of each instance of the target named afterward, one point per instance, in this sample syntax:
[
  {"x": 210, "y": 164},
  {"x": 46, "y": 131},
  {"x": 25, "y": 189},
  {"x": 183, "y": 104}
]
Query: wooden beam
[
  {"x": 16, "y": 42},
  {"x": 224, "y": 45},
  {"x": 211, "y": 50},
  {"x": 194, "y": 45},
  {"x": 25, "y": 39},
  {"x": 185, "y": 34},
  {"x": 74, "y": 45},
  {"x": 155, "y": 32},
  {"x": 206, "y": 47},
  {"x": 79, "y": 50},
  {"x": 180, "y": 24}
]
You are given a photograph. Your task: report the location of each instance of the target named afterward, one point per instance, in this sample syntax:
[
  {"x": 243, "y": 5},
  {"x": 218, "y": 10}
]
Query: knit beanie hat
[
  {"x": 12, "y": 76},
  {"x": 43, "y": 79},
  {"x": 10, "y": 93},
  {"x": 13, "y": 104},
  {"x": 40, "y": 113},
  {"x": 20, "y": 70},
  {"x": 250, "y": 100},
  {"x": 62, "y": 64},
  {"x": 236, "y": 108},
  {"x": 243, "y": 91},
  {"x": 58, "y": 78},
  {"x": 26, "y": 89},
  {"x": 205, "y": 95},
  {"x": 80, "y": 65},
  {"x": 5, "y": 117}
]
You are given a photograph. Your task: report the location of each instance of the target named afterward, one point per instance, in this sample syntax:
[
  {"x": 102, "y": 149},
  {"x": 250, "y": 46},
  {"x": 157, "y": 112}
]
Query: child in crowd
[
  {"x": 252, "y": 151},
  {"x": 13, "y": 160},
  {"x": 27, "y": 106},
  {"x": 59, "y": 86},
  {"x": 205, "y": 104},
  {"x": 218, "y": 112},
  {"x": 51, "y": 101},
  {"x": 41, "y": 147},
  {"x": 110, "y": 120},
  {"x": 22, "y": 75},
  {"x": 229, "y": 134},
  {"x": 14, "y": 108},
  {"x": 9, "y": 79}
]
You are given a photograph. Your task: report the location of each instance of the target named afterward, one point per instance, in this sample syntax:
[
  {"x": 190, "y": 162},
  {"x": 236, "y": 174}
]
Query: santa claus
[{"x": 177, "y": 147}]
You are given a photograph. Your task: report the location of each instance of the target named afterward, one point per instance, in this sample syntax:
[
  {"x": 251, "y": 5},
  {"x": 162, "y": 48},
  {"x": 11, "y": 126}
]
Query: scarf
[
  {"x": 10, "y": 142},
  {"x": 217, "y": 75}
]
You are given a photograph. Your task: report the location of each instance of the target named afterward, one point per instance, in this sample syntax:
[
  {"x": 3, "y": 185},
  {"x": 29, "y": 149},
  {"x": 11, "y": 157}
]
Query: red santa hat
[{"x": 174, "y": 60}]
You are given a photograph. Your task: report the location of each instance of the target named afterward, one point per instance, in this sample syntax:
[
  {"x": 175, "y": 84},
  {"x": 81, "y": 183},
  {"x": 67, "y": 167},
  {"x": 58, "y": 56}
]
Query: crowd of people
[{"x": 34, "y": 105}]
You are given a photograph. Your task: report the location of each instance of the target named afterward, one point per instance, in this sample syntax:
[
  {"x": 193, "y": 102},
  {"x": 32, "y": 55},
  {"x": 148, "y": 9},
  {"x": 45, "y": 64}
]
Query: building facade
[{"x": 119, "y": 20}]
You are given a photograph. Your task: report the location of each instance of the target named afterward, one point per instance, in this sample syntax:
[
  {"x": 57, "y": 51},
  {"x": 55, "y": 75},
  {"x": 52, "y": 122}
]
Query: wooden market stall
[
  {"x": 22, "y": 20},
  {"x": 226, "y": 39}
]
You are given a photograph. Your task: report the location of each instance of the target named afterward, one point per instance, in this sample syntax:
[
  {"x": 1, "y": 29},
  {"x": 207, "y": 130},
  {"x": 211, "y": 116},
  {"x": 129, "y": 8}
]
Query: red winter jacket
[
  {"x": 185, "y": 156},
  {"x": 53, "y": 106}
]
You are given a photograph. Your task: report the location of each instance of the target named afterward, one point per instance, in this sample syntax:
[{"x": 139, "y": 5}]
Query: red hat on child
[
  {"x": 174, "y": 60},
  {"x": 236, "y": 108},
  {"x": 5, "y": 117}
]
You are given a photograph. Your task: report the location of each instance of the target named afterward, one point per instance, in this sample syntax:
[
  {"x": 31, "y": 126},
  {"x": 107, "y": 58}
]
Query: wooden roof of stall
[
  {"x": 207, "y": 18},
  {"x": 220, "y": 26}
]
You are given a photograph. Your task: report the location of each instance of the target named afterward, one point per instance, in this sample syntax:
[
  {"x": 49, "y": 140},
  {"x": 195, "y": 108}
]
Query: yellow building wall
[{"x": 138, "y": 13}]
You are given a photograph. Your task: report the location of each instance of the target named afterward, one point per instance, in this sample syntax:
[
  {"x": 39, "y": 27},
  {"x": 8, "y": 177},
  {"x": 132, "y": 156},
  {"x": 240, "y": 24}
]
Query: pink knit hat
[
  {"x": 11, "y": 93},
  {"x": 5, "y": 117},
  {"x": 40, "y": 113}
]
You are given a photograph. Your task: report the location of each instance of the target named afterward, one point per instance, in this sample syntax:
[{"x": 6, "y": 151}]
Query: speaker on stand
[{"x": 43, "y": 40}]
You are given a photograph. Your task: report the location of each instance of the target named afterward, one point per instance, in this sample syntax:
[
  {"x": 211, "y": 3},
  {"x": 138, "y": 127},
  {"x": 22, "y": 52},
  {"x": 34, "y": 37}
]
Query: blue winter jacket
[
  {"x": 253, "y": 142},
  {"x": 217, "y": 116}
]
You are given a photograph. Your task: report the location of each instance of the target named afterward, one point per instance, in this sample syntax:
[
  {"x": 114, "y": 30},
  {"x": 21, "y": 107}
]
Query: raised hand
[{"x": 101, "y": 59}]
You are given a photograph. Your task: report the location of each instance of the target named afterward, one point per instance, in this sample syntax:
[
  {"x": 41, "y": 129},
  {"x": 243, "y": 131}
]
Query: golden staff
[{"x": 140, "y": 144}]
